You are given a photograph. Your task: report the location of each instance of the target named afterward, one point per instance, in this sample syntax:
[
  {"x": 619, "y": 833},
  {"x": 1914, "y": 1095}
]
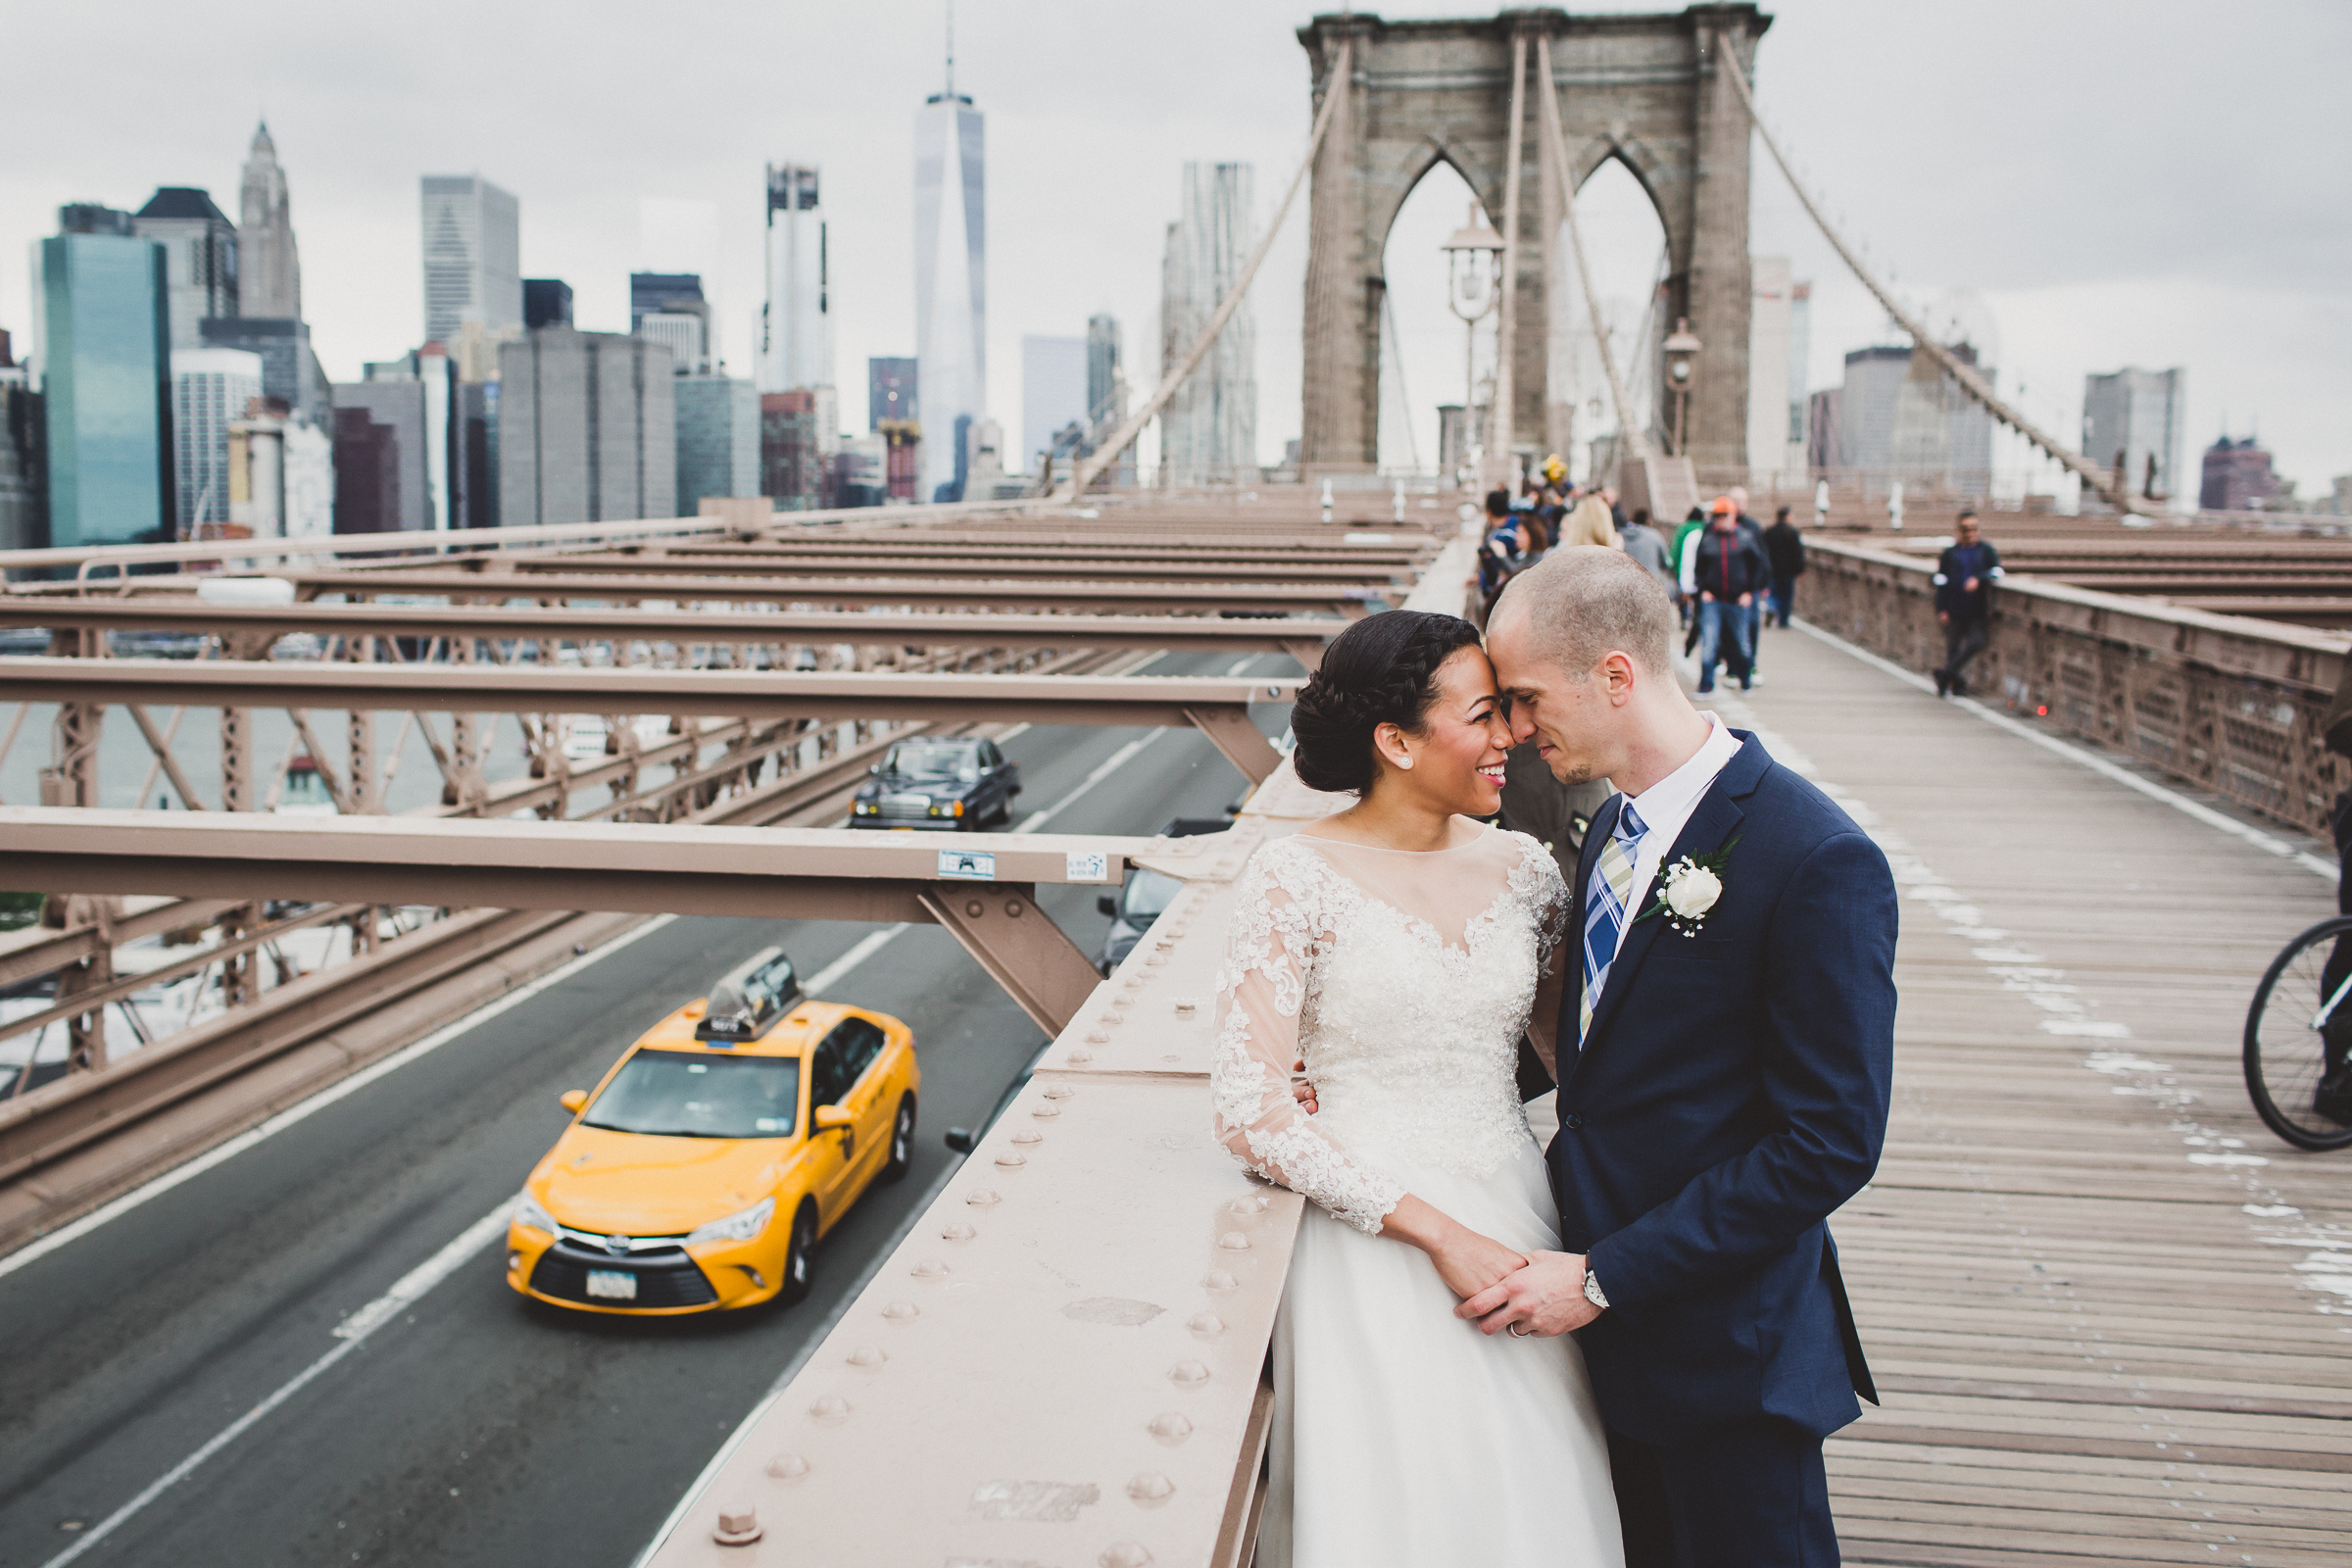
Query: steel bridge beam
[
  {"x": 1029, "y": 592},
  {"x": 1067, "y": 568}
]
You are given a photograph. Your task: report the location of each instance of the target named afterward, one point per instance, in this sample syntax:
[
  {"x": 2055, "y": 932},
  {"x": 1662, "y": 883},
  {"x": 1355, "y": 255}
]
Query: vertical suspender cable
[
  {"x": 1501, "y": 420},
  {"x": 1633, "y": 437},
  {"x": 1091, "y": 466},
  {"x": 2097, "y": 479}
]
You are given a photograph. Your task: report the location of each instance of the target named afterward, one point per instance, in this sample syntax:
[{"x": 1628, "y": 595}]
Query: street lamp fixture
[
  {"x": 1474, "y": 287},
  {"x": 1680, "y": 347}
]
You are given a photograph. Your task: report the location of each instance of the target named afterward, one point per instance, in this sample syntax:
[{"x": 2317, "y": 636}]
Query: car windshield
[
  {"x": 1148, "y": 895},
  {"x": 678, "y": 1094},
  {"x": 935, "y": 761}
]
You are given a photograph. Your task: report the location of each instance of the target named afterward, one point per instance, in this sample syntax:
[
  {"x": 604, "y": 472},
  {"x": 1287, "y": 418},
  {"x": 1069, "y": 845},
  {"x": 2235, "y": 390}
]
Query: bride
[{"x": 1397, "y": 948}]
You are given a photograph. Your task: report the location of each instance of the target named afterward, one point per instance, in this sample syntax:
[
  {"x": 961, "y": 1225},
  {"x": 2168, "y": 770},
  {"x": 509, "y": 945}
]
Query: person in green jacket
[{"x": 1692, "y": 527}]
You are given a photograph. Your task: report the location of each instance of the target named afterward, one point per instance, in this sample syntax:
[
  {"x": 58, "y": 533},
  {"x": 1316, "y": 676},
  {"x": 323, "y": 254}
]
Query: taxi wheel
[
  {"x": 799, "y": 1265},
  {"x": 902, "y": 1141}
]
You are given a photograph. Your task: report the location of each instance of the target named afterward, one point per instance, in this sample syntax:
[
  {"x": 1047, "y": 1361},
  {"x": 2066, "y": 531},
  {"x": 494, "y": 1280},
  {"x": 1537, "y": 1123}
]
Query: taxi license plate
[{"x": 611, "y": 1284}]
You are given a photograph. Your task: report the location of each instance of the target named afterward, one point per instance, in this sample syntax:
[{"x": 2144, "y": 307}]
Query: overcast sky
[{"x": 2122, "y": 182}]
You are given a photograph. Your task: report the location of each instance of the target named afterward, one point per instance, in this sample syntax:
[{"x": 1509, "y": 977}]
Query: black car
[
  {"x": 948, "y": 785},
  {"x": 1146, "y": 895}
]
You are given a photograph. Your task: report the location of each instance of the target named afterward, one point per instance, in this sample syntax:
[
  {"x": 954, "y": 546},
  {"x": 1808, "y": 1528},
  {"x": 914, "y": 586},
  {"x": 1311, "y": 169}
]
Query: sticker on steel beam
[
  {"x": 1085, "y": 866},
  {"x": 967, "y": 866}
]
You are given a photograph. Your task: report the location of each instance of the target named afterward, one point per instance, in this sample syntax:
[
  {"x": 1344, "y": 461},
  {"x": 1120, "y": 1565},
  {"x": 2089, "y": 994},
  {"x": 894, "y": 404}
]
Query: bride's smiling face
[{"x": 1455, "y": 762}]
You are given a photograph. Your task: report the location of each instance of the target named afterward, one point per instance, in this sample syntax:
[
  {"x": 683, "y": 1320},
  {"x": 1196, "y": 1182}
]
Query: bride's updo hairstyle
[{"x": 1380, "y": 670}]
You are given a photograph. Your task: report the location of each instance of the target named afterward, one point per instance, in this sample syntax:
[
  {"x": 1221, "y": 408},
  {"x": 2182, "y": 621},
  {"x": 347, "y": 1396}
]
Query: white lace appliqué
[{"x": 1411, "y": 1042}]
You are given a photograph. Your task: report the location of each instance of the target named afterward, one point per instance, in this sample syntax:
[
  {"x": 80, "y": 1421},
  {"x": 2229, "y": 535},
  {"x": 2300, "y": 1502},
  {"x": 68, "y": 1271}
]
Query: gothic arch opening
[
  {"x": 1423, "y": 341},
  {"x": 1626, "y": 246}
]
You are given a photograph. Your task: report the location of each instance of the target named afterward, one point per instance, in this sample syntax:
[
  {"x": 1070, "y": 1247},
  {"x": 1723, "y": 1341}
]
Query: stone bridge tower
[{"x": 1647, "y": 90}]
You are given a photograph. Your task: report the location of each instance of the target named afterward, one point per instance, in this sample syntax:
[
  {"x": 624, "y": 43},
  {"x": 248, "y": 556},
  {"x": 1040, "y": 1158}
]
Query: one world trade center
[{"x": 950, "y": 286}]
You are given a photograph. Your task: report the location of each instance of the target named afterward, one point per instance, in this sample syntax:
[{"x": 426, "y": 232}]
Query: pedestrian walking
[
  {"x": 1762, "y": 601},
  {"x": 1964, "y": 577},
  {"x": 1589, "y": 524},
  {"x": 1730, "y": 571},
  {"x": 1785, "y": 547},
  {"x": 1642, "y": 542}
]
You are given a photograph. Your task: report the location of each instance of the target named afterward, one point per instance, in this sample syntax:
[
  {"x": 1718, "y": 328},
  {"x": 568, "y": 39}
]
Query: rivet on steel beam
[
  {"x": 958, "y": 1232},
  {"x": 1045, "y": 1112},
  {"x": 1029, "y": 1135},
  {"x": 1124, "y": 1555},
  {"x": 1013, "y": 908},
  {"x": 1218, "y": 1280},
  {"x": 930, "y": 1268},
  {"x": 1150, "y": 1489},
  {"x": 1187, "y": 1006},
  {"x": 1189, "y": 1374},
  {"x": 1011, "y": 1161},
  {"x": 1155, "y": 958},
  {"x": 1248, "y": 1203},
  {"x": 1112, "y": 1021},
  {"x": 1122, "y": 1000},
  {"x": 982, "y": 1198},
  {"x": 902, "y": 1312},
  {"x": 1234, "y": 1242},
  {"x": 738, "y": 1526},
  {"x": 1170, "y": 1426},
  {"x": 867, "y": 1356},
  {"x": 1060, "y": 1090},
  {"x": 832, "y": 1409},
  {"x": 974, "y": 907},
  {"x": 1097, "y": 1037},
  {"x": 1206, "y": 1323},
  {"x": 1079, "y": 1058},
  {"x": 788, "y": 1467}
]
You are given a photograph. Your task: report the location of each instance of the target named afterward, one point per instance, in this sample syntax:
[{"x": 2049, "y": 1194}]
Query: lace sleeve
[
  {"x": 1259, "y": 994},
  {"x": 1537, "y": 880}
]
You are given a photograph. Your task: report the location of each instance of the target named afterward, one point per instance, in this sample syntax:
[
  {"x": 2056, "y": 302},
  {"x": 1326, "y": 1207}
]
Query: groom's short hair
[{"x": 1584, "y": 602}]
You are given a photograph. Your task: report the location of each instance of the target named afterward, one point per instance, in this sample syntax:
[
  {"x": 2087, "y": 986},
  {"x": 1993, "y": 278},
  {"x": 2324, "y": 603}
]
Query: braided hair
[{"x": 1380, "y": 670}]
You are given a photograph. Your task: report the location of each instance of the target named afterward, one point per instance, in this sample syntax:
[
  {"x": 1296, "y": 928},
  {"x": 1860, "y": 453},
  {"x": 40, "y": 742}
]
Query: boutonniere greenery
[{"x": 1689, "y": 891}]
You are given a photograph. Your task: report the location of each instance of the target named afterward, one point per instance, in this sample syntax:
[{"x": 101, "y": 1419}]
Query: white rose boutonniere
[{"x": 1689, "y": 891}]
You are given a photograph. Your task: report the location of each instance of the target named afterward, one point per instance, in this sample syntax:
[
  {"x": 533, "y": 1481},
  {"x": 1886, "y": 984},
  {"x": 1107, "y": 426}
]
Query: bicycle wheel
[{"x": 2298, "y": 1045}]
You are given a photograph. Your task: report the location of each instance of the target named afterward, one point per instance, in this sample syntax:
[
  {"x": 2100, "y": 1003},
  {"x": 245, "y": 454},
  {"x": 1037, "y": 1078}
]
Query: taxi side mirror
[
  {"x": 833, "y": 1118},
  {"x": 572, "y": 1099},
  {"x": 1108, "y": 905}
]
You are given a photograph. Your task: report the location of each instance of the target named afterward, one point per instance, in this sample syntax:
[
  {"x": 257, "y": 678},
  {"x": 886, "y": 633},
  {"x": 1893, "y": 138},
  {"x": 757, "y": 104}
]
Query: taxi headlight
[
  {"x": 952, "y": 808},
  {"x": 866, "y": 807},
  {"x": 741, "y": 1227},
  {"x": 528, "y": 1213}
]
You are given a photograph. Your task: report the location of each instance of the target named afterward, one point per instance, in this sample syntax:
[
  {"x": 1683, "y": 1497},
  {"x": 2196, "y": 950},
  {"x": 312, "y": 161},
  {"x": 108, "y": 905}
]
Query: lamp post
[
  {"x": 1680, "y": 346},
  {"x": 1474, "y": 287}
]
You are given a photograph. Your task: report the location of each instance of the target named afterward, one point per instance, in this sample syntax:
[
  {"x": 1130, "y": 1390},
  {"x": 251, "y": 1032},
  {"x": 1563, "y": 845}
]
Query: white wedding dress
[{"x": 1402, "y": 1434}]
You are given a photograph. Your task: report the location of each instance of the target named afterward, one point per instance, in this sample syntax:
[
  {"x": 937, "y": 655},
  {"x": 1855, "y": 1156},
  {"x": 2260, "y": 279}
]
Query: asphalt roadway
[{"x": 173, "y": 1388}]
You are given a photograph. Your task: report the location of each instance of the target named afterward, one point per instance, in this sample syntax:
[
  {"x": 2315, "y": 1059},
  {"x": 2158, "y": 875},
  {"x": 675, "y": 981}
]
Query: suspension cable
[{"x": 1633, "y": 437}]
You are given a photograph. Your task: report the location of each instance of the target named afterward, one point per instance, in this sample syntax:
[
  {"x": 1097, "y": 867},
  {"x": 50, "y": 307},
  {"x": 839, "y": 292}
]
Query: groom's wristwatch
[{"x": 1593, "y": 1291}]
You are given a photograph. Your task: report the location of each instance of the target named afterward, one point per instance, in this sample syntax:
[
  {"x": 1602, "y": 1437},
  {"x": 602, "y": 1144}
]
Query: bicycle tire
[{"x": 2282, "y": 1062}]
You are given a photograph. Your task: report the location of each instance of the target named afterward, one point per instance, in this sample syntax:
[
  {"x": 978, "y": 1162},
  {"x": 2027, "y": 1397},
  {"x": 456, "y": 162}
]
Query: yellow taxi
[{"x": 699, "y": 1174}]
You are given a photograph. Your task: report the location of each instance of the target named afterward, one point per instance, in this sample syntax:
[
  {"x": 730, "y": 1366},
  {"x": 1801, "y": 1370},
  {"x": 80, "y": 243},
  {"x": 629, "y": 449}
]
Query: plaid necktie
[{"x": 1605, "y": 910}]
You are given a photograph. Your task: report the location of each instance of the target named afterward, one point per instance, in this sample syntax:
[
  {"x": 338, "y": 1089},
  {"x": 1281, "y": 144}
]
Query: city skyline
[{"x": 2176, "y": 254}]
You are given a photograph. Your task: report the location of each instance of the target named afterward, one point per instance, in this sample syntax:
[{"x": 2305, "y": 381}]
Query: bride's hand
[{"x": 1469, "y": 1263}]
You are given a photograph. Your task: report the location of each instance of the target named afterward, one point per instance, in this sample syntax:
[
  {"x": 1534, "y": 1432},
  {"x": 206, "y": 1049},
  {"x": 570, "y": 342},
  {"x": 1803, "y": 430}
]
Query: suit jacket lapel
[{"x": 1712, "y": 823}]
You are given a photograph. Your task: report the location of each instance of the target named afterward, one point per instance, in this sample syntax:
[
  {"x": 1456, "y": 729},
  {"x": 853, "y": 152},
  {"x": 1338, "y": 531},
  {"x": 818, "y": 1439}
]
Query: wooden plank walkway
[{"x": 2111, "y": 1315}]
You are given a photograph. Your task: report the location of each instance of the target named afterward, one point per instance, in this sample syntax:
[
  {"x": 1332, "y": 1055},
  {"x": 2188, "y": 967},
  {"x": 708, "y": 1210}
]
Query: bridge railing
[{"x": 2231, "y": 704}]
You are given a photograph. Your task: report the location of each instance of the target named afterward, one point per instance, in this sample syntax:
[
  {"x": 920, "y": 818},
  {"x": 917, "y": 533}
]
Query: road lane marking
[
  {"x": 353, "y": 1332},
  {"x": 2268, "y": 843},
  {"x": 1117, "y": 761},
  {"x": 223, "y": 1152},
  {"x": 411, "y": 1287}
]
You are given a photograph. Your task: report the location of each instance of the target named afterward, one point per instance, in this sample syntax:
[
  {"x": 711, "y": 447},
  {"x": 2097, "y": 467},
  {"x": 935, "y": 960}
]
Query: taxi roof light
[{"x": 748, "y": 1000}]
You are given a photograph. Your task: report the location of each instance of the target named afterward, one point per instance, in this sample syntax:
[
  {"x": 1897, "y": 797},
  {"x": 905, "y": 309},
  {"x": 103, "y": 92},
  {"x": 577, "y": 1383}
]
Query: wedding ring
[{"x": 1517, "y": 1333}]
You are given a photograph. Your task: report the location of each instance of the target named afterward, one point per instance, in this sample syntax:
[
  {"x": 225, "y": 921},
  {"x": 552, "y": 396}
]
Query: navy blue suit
[{"x": 1732, "y": 1092}]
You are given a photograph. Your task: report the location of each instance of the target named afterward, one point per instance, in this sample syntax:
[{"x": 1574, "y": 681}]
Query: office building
[
  {"x": 2237, "y": 476},
  {"x": 1106, "y": 394},
  {"x": 200, "y": 248},
  {"x": 268, "y": 269},
  {"x": 101, "y": 310},
  {"x": 92, "y": 218},
  {"x": 546, "y": 302},
  {"x": 397, "y": 407},
  {"x": 889, "y": 392},
  {"x": 951, "y": 285},
  {"x": 718, "y": 439},
  {"x": 861, "y": 471},
  {"x": 209, "y": 387},
  {"x": 2132, "y": 423},
  {"x": 366, "y": 463},
  {"x": 796, "y": 323},
  {"x": 1902, "y": 417},
  {"x": 472, "y": 255},
  {"x": 1208, "y": 430},
  {"x": 902, "y": 445},
  {"x": 23, "y": 493},
  {"x": 281, "y": 474},
  {"x": 1824, "y": 428},
  {"x": 1053, "y": 385},
  {"x": 1801, "y": 350},
  {"x": 290, "y": 370},
  {"x": 668, "y": 309},
  {"x": 587, "y": 429},
  {"x": 796, "y": 466},
  {"x": 1769, "y": 291}
]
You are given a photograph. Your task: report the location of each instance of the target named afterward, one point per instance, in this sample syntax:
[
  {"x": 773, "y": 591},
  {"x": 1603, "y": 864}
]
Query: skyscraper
[
  {"x": 209, "y": 388},
  {"x": 546, "y": 302},
  {"x": 1209, "y": 431},
  {"x": 2133, "y": 421},
  {"x": 268, "y": 271},
  {"x": 718, "y": 439},
  {"x": 2236, "y": 477},
  {"x": 668, "y": 309},
  {"x": 101, "y": 309},
  {"x": 951, "y": 315},
  {"x": 890, "y": 391},
  {"x": 1900, "y": 415},
  {"x": 398, "y": 438},
  {"x": 587, "y": 429},
  {"x": 1106, "y": 394},
  {"x": 472, "y": 255},
  {"x": 200, "y": 248},
  {"x": 1053, "y": 397},
  {"x": 796, "y": 324}
]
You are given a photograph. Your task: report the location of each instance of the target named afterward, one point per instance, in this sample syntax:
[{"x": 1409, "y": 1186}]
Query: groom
[{"x": 1723, "y": 1056}]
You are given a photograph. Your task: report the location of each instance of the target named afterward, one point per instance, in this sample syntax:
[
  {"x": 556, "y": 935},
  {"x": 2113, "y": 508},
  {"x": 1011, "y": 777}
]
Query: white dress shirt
[{"x": 1665, "y": 807}]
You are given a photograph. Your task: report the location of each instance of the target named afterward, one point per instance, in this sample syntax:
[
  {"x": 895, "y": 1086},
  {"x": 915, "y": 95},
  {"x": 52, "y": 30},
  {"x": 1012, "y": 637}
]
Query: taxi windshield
[{"x": 679, "y": 1093}]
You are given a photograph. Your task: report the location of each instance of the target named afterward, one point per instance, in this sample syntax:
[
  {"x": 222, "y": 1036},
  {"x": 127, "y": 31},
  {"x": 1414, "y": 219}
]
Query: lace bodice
[{"x": 1405, "y": 981}]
